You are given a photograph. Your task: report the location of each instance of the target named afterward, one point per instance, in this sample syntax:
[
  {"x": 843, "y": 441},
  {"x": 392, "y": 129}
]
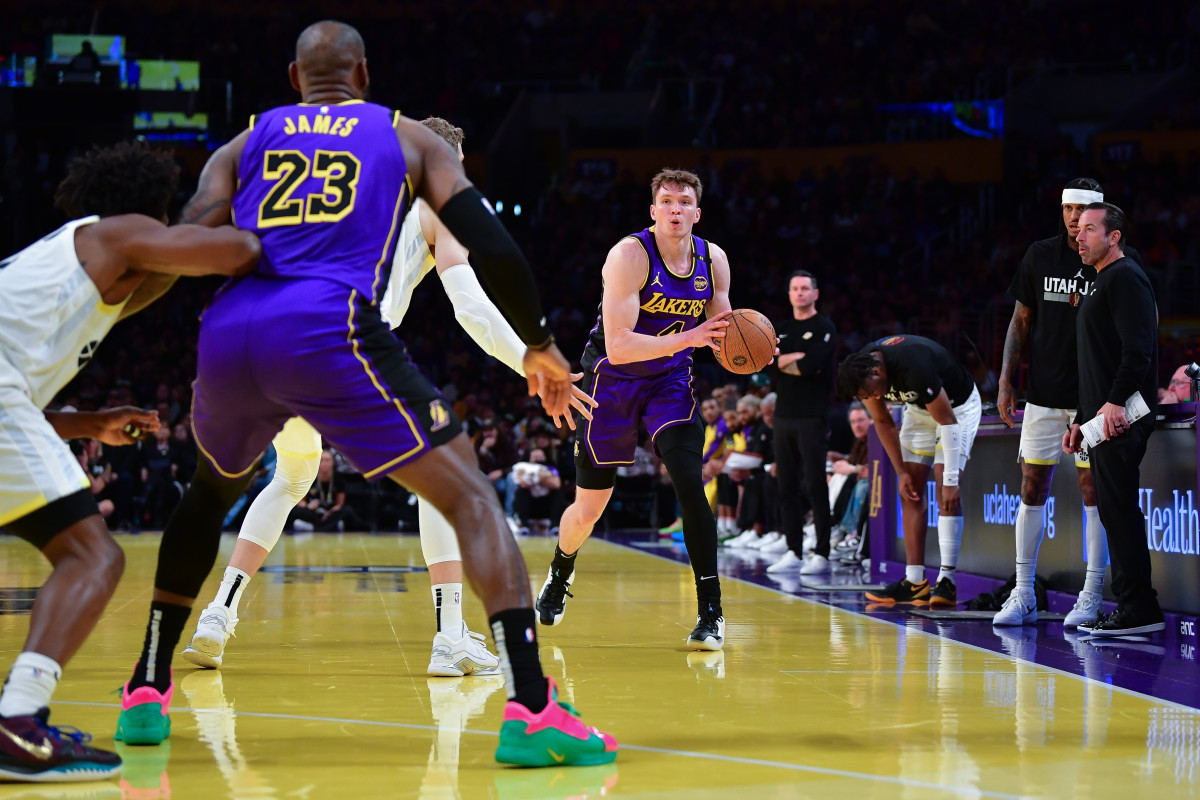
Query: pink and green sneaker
[
  {"x": 144, "y": 717},
  {"x": 554, "y": 737}
]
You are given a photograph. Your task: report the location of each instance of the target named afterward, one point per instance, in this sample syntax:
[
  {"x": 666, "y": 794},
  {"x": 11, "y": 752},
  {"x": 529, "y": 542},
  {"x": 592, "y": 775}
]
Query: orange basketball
[{"x": 749, "y": 343}]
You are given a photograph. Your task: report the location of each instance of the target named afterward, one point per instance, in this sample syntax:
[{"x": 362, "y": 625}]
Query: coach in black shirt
[
  {"x": 1117, "y": 332},
  {"x": 806, "y": 371}
]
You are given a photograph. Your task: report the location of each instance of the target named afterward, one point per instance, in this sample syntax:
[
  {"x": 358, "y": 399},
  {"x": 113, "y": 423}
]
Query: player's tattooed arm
[
  {"x": 212, "y": 204},
  {"x": 1014, "y": 344}
]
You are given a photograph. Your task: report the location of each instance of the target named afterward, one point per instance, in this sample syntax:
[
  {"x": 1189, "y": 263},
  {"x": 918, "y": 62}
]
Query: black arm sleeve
[{"x": 505, "y": 271}]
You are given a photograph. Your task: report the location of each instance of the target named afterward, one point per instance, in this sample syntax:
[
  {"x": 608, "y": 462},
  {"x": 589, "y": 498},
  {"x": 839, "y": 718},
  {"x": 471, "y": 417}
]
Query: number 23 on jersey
[{"x": 289, "y": 168}]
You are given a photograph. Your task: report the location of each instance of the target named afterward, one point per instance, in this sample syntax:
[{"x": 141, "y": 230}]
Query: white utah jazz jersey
[
  {"x": 52, "y": 318},
  {"x": 410, "y": 265}
]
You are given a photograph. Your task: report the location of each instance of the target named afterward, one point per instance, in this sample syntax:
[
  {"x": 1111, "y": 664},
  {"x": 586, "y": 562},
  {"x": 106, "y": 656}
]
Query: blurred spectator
[
  {"x": 1179, "y": 389},
  {"x": 538, "y": 497},
  {"x": 325, "y": 509}
]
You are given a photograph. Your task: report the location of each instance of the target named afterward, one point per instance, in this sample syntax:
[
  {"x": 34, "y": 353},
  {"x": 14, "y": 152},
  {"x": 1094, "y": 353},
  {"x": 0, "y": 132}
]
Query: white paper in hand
[{"x": 1093, "y": 429}]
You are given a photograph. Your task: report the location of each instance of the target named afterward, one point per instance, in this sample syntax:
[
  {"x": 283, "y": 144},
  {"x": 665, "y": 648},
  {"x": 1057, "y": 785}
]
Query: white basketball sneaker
[
  {"x": 1087, "y": 609},
  {"x": 1019, "y": 609},
  {"x": 466, "y": 655},
  {"x": 814, "y": 564},
  {"x": 207, "y": 647}
]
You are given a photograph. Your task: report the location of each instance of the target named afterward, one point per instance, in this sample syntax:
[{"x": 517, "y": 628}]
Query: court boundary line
[
  {"x": 757, "y": 762},
  {"x": 1056, "y": 670}
]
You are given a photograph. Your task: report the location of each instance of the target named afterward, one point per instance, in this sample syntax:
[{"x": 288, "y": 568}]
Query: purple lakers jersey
[
  {"x": 325, "y": 188},
  {"x": 668, "y": 303}
]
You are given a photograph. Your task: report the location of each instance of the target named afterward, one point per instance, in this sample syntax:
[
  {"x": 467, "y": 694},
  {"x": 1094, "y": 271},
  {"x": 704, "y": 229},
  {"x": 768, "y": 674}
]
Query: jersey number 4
[{"x": 288, "y": 168}]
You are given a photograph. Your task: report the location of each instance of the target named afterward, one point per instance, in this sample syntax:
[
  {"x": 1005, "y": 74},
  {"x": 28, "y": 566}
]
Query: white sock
[
  {"x": 447, "y": 607},
  {"x": 914, "y": 573},
  {"x": 31, "y": 681},
  {"x": 1030, "y": 521},
  {"x": 1097, "y": 550},
  {"x": 229, "y": 594},
  {"x": 949, "y": 538}
]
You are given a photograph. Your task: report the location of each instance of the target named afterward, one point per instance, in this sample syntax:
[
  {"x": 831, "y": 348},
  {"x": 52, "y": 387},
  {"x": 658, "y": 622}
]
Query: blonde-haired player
[{"x": 424, "y": 245}]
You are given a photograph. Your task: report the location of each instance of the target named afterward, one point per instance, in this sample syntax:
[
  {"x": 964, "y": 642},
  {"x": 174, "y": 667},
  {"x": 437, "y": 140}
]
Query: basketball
[{"x": 749, "y": 343}]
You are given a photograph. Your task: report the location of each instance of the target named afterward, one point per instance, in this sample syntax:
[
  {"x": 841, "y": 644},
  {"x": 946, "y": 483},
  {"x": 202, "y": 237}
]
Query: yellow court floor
[{"x": 324, "y": 694}]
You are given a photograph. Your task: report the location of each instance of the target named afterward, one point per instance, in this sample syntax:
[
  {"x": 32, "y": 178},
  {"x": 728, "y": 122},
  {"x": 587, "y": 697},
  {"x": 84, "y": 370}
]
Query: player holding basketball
[
  {"x": 59, "y": 298},
  {"x": 456, "y": 649},
  {"x": 941, "y": 417},
  {"x": 327, "y": 183},
  {"x": 638, "y": 362},
  {"x": 1050, "y": 285}
]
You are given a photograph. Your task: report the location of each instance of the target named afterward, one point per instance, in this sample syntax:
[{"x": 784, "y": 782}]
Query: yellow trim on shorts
[
  {"x": 921, "y": 452},
  {"x": 1083, "y": 464},
  {"x": 1039, "y": 462},
  {"x": 412, "y": 426},
  {"x": 25, "y": 508},
  {"x": 212, "y": 462},
  {"x": 592, "y": 450}
]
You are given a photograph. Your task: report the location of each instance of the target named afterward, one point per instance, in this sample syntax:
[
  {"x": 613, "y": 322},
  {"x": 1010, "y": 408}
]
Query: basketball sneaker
[
  {"x": 1126, "y": 621},
  {"x": 466, "y": 655},
  {"x": 788, "y": 561},
  {"x": 32, "y": 750},
  {"x": 1087, "y": 609},
  {"x": 814, "y": 564},
  {"x": 1019, "y": 609},
  {"x": 709, "y": 633},
  {"x": 551, "y": 601},
  {"x": 144, "y": 718},
  {"x": 207, "y": 647},
  {"x": 555, "y": 736},
  {"x": 902, "y": 591},
  {"x": 944, "y": 594}
]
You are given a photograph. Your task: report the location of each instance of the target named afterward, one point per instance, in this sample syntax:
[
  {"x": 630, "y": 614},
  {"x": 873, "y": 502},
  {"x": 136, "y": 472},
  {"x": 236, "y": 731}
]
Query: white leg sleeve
[
  {"x": 438, "y": 541},
  {"x": 298, "y": 452}
]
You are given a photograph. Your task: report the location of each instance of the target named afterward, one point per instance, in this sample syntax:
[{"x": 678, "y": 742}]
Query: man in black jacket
[{"x": 1117, "y": 332}]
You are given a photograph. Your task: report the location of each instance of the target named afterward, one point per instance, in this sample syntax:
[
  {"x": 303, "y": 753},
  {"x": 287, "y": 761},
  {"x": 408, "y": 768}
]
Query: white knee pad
[
  {"x": 438, "y": 540},
  {"x": 269, "y": 511}
]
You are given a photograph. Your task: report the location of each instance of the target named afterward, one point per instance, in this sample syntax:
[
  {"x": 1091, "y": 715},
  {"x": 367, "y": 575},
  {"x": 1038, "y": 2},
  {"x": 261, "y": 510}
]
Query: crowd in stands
[{"x": 872, "y": 237}]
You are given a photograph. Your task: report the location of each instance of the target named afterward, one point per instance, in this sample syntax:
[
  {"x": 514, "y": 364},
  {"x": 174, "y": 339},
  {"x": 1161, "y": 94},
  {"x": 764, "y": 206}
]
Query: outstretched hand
[
  {"x": 124, "y": 425},
  {"x": 549, "y": 377},
  {"x": 581, "y": 401}
]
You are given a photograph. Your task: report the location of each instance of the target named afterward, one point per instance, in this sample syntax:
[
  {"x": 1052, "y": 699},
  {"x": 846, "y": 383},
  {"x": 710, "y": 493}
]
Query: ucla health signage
[{"x": 991, "y": 495}]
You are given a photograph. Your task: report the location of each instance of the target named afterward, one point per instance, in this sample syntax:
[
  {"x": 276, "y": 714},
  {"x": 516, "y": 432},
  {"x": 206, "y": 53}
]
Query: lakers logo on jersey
[
  {"x": 89, "y": 350},
  {"x": 439, "y": 416},
  {"x": 700, "y": 284}
]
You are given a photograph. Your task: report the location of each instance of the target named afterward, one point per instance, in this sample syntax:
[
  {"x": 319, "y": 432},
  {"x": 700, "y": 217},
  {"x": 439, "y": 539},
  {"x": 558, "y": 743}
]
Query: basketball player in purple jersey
[
  {"x": 638, "y": 362},
  {"x": 325, "y": 184}
]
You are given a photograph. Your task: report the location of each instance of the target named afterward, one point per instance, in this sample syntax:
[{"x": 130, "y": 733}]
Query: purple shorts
[
  {"x": 274, "y": 349},
  {"x": 658, "y": 403}
]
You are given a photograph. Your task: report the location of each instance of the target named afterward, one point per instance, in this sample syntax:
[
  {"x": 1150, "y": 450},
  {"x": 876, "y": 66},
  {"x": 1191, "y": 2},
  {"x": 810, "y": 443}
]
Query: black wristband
[{"x": 507, "y": 274}]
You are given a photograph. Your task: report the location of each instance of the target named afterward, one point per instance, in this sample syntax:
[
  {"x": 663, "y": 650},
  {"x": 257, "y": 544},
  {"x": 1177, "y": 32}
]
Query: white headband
[{"x": 1081, "y": 196}]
